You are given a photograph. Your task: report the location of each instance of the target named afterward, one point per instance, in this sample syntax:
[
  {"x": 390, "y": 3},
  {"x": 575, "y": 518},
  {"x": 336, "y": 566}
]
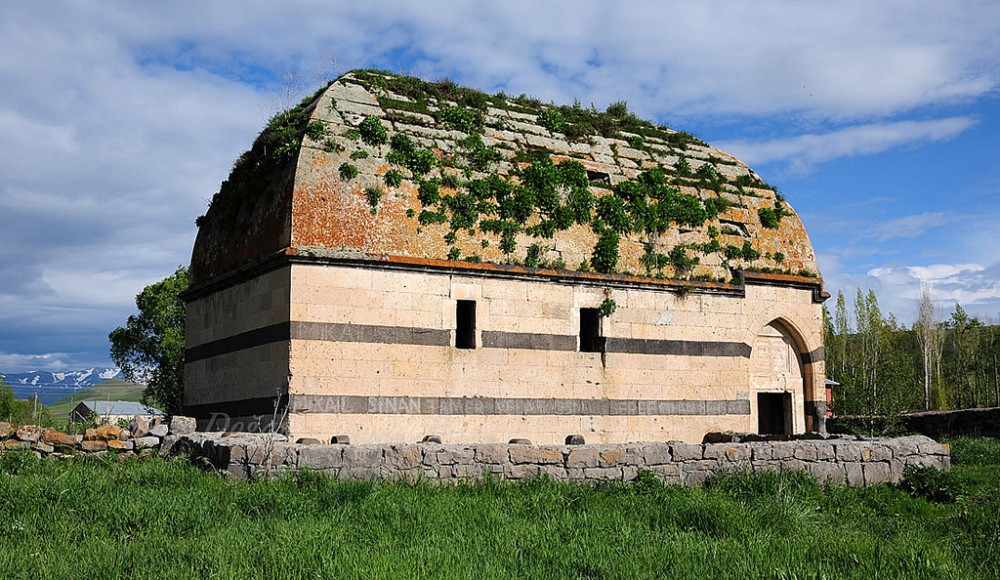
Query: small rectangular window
[
  {"x": 465, "y": 327},
  {"x": 590, "y": 330}
]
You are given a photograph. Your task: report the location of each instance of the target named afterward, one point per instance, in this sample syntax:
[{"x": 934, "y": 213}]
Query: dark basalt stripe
[
  {"x": 676, "y": 347},
  {"x": 238, "y": 408},
  {"x": 257, "y": 337},
  {"x": 376, "y": 405},
  {"x": 337, "y": 332},
  {"x": 528, "y": 341}
]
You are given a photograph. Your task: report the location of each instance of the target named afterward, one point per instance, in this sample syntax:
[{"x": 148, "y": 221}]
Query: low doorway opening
[{"x": 774, "y": 413}]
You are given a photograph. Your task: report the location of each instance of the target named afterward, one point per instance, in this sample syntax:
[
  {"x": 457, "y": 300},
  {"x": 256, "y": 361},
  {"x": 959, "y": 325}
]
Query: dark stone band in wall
[
  {"x": 377, "y": 405},
  {"x": 337, "y": 332},
  {"x": 528, "y": 341},
  {"x": 237, "y": 410},
  {"x": 369, "y": 333},
  {"x": 249, "y": 339},
  {"x": 676, "y": 347}
]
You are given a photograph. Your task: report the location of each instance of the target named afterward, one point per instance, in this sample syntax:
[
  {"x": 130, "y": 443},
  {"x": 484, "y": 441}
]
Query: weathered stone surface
[
  {"x": 92, "y": 445},
  {"x": 321, "y": 457},
  {"x": 402, "y": 457},
  {"x": 876, "y": 472},
  {"x": 6, "y": 430},
  {"x": 525, "y": 454},
  {"x": 492, "y": 454},
  {"x": 57, "y": 438},
  {"x": 145, "y": 442},
  {"x": 180, "y": 425},
  {"x": 16, "y": 444},
  {"x": 825, "y": 471},
  {"x": 520, "y": 471},
  {"x": 108, "y": 432},
  {"x": 825, "y": 452},
  {"x": 29, "y": 433},
  {"x": 692, "y": 465},
  {"x": 614, "y": 457},
  {"x": 364, "y": 456},
  {"x": 583, "y": 457},
  {"x": 139, "y": 427},
  {"x": 855, "y": 474},
  {"x": 120, "y": 445},
  {"x": 805, "y": 452},
  {"x": 159, "y": 430},
  {"x": 686, "y": 451},
  {"x": 657, "y": 454},
  {"x": 42, "y": 447},
  {"x": 848, "y": 452},
  {"x": 727, "y": 451},
  {"x": 167, "y": 444}
]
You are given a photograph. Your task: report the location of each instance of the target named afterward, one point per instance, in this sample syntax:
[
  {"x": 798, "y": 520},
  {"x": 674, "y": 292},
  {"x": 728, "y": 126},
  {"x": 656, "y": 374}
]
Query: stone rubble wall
[
  {"x": 837, "y": 460},
  {"x": 974, "y": 422},
  {"x": 139, "y": 435}
]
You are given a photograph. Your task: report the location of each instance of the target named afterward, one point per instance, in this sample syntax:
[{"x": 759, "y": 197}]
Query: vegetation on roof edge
[{"x": 557, "y": 194}]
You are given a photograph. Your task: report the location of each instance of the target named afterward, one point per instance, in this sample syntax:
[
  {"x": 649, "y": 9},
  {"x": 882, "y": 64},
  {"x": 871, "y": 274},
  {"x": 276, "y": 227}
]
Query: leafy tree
[
  {"x": 22, "y": 411},
  {"x": 6, "y": 400},
  {"x": 150, "y": 347}
]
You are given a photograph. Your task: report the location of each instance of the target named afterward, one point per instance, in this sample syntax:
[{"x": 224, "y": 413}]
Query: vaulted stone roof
[{"x": 388, "y": 168}]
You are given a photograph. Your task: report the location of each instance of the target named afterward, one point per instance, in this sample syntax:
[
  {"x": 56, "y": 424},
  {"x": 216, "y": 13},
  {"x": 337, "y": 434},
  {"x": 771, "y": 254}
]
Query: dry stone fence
[
  {"x": 139, "y": 435},
  {"x": 837, "y": 459},
  {"x": 840, "y": 460}
]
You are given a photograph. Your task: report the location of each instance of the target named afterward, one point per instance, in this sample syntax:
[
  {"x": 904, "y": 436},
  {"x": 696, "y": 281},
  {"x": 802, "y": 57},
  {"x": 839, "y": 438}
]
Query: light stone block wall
[
  {"x": 255, "y": 372},
  {"x": 426, "y": 300}
]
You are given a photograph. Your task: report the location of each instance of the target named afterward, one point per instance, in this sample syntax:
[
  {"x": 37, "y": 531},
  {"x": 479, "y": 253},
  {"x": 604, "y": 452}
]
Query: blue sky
[{"x": 879, "y": 122}]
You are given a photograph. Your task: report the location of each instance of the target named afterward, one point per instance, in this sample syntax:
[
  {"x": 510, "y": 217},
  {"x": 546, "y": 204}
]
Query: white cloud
[
  {"x": 119, "y": 121},
  {"x": 802, "y": 152},
  {"x": 974, "y": 286}
]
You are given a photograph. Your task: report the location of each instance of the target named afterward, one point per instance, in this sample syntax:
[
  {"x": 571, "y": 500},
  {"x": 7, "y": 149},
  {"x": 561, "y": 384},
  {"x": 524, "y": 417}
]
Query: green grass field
[{"x": 98, "y": 518}]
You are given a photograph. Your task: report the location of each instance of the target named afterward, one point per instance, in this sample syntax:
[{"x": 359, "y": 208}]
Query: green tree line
[{"x": 885, "y": 369}]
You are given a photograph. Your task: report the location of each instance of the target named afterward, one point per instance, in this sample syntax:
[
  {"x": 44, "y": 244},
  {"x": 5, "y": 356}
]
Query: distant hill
[
  {"x": 113, "y": 390},
  {"x": 51, "y": 386}
]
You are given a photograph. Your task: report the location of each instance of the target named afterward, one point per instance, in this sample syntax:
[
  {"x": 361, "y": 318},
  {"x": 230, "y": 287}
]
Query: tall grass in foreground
[{"x": 166, "y": 519}]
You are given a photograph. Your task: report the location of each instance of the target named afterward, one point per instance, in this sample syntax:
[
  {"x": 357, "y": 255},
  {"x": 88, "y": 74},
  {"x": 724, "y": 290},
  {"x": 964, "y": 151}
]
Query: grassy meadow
[{"x": 99, "y": 518}]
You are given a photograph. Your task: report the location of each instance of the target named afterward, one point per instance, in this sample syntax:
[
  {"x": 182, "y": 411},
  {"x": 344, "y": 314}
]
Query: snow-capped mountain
[
  {"x": 65, "y": 380},
  {"x": 51, "y": 386}
]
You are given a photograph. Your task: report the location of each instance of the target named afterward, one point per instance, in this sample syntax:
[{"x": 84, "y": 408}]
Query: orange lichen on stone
[{"x": 309, "y": 205}]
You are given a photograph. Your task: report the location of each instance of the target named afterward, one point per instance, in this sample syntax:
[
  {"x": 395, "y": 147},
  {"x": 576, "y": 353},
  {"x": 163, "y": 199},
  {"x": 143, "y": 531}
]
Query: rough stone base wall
[
  {"x": 837, "y": 460},
  {"x": 976, "y": 422}
]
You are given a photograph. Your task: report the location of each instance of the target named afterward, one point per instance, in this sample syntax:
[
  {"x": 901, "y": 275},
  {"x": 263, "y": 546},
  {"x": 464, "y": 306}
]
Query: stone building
[{"x": 394, "y": 259}]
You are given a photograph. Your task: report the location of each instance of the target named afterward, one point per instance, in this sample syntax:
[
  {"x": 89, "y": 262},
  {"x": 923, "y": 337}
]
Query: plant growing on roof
[
  {"x": 373, "y": 194},
  {"x": 404, "y": 152},
  {"x": 605, "y": 256},
  {"x": 748, "y": 252},
  {"x": 462, "y": 119},
  {"x": 393, "y": 178},
  {"x": 680, "y": 260},
  {"x": 608, "y": 305},
  {"x": 552, "y": 120},
  {"x": 372, "y": 132},
  {"x": 316, "y": 130},
  {"x": 347, "y": 171}
]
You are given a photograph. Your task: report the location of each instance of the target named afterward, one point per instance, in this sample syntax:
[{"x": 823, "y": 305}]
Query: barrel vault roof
[{"x": 382, "y": 167}]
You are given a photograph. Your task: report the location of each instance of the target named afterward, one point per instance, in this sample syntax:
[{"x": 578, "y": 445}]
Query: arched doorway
[{"x": 778, "y": 381}]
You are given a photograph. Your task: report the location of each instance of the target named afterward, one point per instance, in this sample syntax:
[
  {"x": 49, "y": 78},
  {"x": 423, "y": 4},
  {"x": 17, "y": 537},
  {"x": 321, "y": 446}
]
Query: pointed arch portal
[{"x": 777, "y": 377}]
